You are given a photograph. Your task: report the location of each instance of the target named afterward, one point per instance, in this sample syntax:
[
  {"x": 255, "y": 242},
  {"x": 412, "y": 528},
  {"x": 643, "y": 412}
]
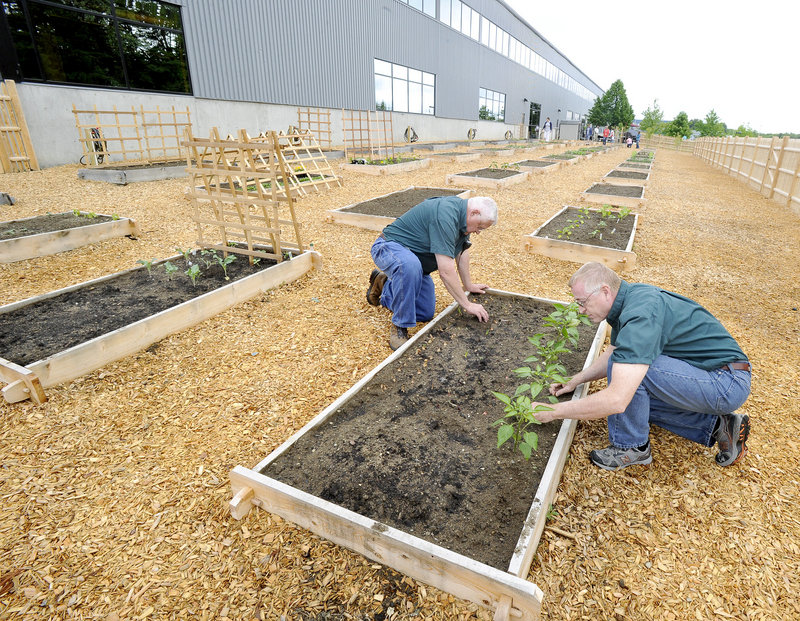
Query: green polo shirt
[
  {"x": 435, "y": 226},
  {"x": 647, "y": 322}
]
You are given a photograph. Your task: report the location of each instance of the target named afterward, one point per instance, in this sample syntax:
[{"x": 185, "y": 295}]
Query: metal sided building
[{"x": 442, "y": 67}]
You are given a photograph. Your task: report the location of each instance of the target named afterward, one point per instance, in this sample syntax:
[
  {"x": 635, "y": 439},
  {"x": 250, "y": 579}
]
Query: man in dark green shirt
[
  {"x": 431, "y": 236},
  {"x": 671, "y": 363}
]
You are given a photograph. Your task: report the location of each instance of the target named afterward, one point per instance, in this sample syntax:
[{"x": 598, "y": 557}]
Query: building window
[
  {"x": 131, "y": 44},
  {"x": 491, "y": 105},
  {"x": 426, "y": 6},
  {"x": 403, "y": 89}
]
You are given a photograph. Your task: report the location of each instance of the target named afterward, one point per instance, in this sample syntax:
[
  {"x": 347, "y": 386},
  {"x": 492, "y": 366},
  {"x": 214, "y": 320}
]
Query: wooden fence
[
  {"x": 657, "y": 141},
  {"x": 111, "y": 137},
  {"x": 16, "y": 148},
  {"x": 769, "y": 165}
]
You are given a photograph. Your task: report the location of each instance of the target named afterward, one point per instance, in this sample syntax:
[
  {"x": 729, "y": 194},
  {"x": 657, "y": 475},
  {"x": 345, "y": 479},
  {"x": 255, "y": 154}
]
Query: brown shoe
[
  {"x": 397, "y": 337},
  {"x": 376, "y": 281}
]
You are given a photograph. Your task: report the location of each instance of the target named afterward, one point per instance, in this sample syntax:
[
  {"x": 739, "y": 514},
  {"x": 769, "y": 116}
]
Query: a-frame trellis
[
  {"x": 16, "y": 148},
  {"x": 307, "y": 163},
  {"x": 368, "y": 134},
  {"x": 242, "y": 201}
]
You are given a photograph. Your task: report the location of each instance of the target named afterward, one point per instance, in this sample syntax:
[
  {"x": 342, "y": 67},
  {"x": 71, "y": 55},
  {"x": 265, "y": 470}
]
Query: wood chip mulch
[{"x": 114, "y": 492}]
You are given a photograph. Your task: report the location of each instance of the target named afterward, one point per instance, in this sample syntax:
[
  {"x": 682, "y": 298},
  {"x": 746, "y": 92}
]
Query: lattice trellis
[
  {"x": 368, "y": 133},
  {"x": 111, "y": 137},
  {"x": 241, "y": 200},
  {"x": 16, "y": 148},
  {"x": 318, "y": 122},
  {"x": 307, "y": 163}
]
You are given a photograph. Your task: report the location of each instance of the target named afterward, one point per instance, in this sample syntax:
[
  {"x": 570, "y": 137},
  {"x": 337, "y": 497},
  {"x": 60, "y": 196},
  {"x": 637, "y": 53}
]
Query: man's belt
[{"x": 737, "y": 366}]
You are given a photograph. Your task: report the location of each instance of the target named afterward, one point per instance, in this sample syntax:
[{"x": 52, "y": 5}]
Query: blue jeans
[
  {"x": 408, "y": 293},
  {"x": 679, "y": 398}
]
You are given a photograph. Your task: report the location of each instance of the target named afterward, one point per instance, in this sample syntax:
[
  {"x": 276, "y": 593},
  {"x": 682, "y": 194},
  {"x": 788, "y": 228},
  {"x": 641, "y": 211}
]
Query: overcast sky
[{"x": 739, "y": 58}]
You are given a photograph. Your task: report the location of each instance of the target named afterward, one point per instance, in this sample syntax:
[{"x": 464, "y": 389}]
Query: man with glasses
[{"x": 671, "y": 363}]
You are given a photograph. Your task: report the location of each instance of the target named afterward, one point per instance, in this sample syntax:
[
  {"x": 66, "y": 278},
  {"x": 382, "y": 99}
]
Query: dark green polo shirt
[
  {"x": 435, "y": 226},
  {"x": 647, "y": 322}
]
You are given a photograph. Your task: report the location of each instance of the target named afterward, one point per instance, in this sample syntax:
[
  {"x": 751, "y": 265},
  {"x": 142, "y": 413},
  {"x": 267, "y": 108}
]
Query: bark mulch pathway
[{"x": 114, "y": 492}]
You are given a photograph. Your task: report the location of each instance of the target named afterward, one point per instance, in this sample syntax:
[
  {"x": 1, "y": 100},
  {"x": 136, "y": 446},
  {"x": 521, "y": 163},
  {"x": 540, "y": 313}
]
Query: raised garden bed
[
  {"x": 404, "y": 467},
  {"x": 388, "y": 168},
  {"x": 124, "y": 174},
  {"x": 538, "y": 167},
  {"x": 498, "y": 151},
  {"x": 627, "y": 177},
  {"x": 39, "y": 236},
  {"x": 494, "y": 178},
  {"x": 600, "y": 237},
  {"x": 617, "y": 195},
  {"x": 58, "y": 336},
  {"x": 376, "y": 213},
  {"x": 634, "y": 165},
  {"x": 565, "y": 158},
  {"x": 454, "y": 156}
]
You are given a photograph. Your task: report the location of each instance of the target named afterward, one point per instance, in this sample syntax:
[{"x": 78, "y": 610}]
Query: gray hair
[
  {"x": 594, "y": 275},
  {"x": 486, "y": 206}
]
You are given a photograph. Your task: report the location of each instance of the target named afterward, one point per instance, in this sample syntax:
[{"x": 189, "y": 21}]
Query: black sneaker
[
  {"x": 614, "y": 458},
  {"x": 376, "y": 281},
  {"x": 731, "y": 437},
  {"x": 398, "y": 337}
]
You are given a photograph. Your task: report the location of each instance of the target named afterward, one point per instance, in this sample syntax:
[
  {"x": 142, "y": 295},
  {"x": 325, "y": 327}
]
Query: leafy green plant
[
  {"x": 186, "y": 253},
  {"x": 223, "y": 262},
  {"x": 169, "y": 268},
  {"x": 193, "y": 273},
  {"x": 544, "y": 368},
  {"x": 148, "y": 265},
  {"x": 114, "y": 216}
]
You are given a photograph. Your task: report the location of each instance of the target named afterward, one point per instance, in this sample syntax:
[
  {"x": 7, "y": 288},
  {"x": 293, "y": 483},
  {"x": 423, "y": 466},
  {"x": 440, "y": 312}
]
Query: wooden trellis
[
  {"x": 368, "y": 134},
  {"x": 241, "y": 196},
  {"x": 307, "y": 163},
  {"x": 112, "y": 137},
  {"x": 16, "y": 148},
  {"x": 318, "y": 122}
]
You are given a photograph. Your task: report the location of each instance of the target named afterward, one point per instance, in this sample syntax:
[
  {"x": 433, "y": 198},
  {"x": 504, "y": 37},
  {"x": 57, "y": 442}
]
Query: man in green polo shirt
[
  {"x": 431, "y": 236},
  {"x": 671, "y": 363}
]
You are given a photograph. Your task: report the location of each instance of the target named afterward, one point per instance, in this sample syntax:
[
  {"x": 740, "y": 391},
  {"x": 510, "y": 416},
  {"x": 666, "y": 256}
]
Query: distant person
[
  {"x": 547, "y": 130},
  {"x": 638, "y": 135},
  {"x": 629, "y": 141},
  {"x": 611, "y": 136},
  {"x": 606, "y": 134}
]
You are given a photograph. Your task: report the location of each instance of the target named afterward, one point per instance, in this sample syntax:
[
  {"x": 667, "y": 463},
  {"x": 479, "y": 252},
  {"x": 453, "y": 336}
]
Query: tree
[
  {"x": 652, "y": 121},
  {"x": 745, "y": 130},
  {"x": 679, "y": 126},
  {"x": 712, "y": 126},
  {"x": 612, "y": 108}
]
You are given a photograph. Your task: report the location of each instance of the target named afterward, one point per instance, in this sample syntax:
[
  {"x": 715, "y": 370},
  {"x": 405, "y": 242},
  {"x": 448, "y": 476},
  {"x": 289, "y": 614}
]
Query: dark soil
[
  {"x": 47, "y": 224},
  {"x": 447, "y": 153},
  {"x": 415, "y": 447},
  {"x": 615, "y": 233},
  {"x": 635, "y": 165},
  {"x": 535, "y": 163},
  {"x": 623, "y": 174},
  {"x": 385, "y": 162},
  {"x": 560, "y": 156},
  {"x": 491, "y": 173},
  {"x": 396, "y": 204},
  {"x": 631, "y": 191},
  {"x": 41, "y": 329}
]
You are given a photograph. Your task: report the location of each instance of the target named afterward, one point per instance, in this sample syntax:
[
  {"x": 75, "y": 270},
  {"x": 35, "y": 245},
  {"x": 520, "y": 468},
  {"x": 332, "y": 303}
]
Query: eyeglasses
[{"x": 582, "y": 303}]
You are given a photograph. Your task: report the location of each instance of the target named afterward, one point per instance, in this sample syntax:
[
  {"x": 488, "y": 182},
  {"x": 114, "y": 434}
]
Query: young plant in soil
[
  {"x": 193, "y": 273},
  {"x": 148, "y": 265},
  {"x": 544, "y": 368}
]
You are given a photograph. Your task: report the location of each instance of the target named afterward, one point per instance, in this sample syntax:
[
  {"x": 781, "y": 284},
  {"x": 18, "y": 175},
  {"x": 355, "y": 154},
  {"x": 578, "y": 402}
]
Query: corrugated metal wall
[{"x": 320, "y": 53}]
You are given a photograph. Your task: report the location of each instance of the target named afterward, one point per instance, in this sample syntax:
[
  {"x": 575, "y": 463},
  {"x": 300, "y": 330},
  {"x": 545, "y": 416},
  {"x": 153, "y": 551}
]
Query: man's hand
[
  {"x": 559, "y": 389},
  {"x": 544, "y": 416},
  {"x": 478, "y": 310},
  {"x": 477, "y": 288}
]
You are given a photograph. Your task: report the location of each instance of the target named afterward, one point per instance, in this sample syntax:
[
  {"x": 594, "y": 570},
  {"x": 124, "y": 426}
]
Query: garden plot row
[{"x": 605, "y": 234}]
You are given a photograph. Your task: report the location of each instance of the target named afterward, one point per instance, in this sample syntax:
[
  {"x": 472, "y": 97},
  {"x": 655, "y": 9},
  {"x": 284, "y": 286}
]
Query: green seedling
[
  {"x": 114, "y": 216},
  {"x": 148, "y": 265},
  {"x": 224, "y": 262},
  {"x": 76, "y": 212},
  {"x": 193, "y": 273},
  {"x": 169, "y": 268},
  {"x": 204, "y": 254},
  {"x": 185, "y": 253}
]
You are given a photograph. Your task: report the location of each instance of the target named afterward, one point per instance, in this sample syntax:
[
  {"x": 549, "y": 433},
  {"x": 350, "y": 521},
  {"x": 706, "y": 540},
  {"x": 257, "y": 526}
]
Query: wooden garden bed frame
[
  {"x": 625, "y": 181},
  {"x": 539, "y": 170},
  {"x": 496, "y": 152},
  {"x": 369, "y": 221},
  {"x": 455, "y": 157},
  {"x": 388, "y": 169},
  {"x": 640, "y": 166},
  {"x": 581, "y": 253},
  {"x": 43, "y": 244},
  {"x": 611, "y": 199},
  {"x": 29, "y": 381},
  {"x": 485, "y": 182},
  {"x": 507, "y": 592}
]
